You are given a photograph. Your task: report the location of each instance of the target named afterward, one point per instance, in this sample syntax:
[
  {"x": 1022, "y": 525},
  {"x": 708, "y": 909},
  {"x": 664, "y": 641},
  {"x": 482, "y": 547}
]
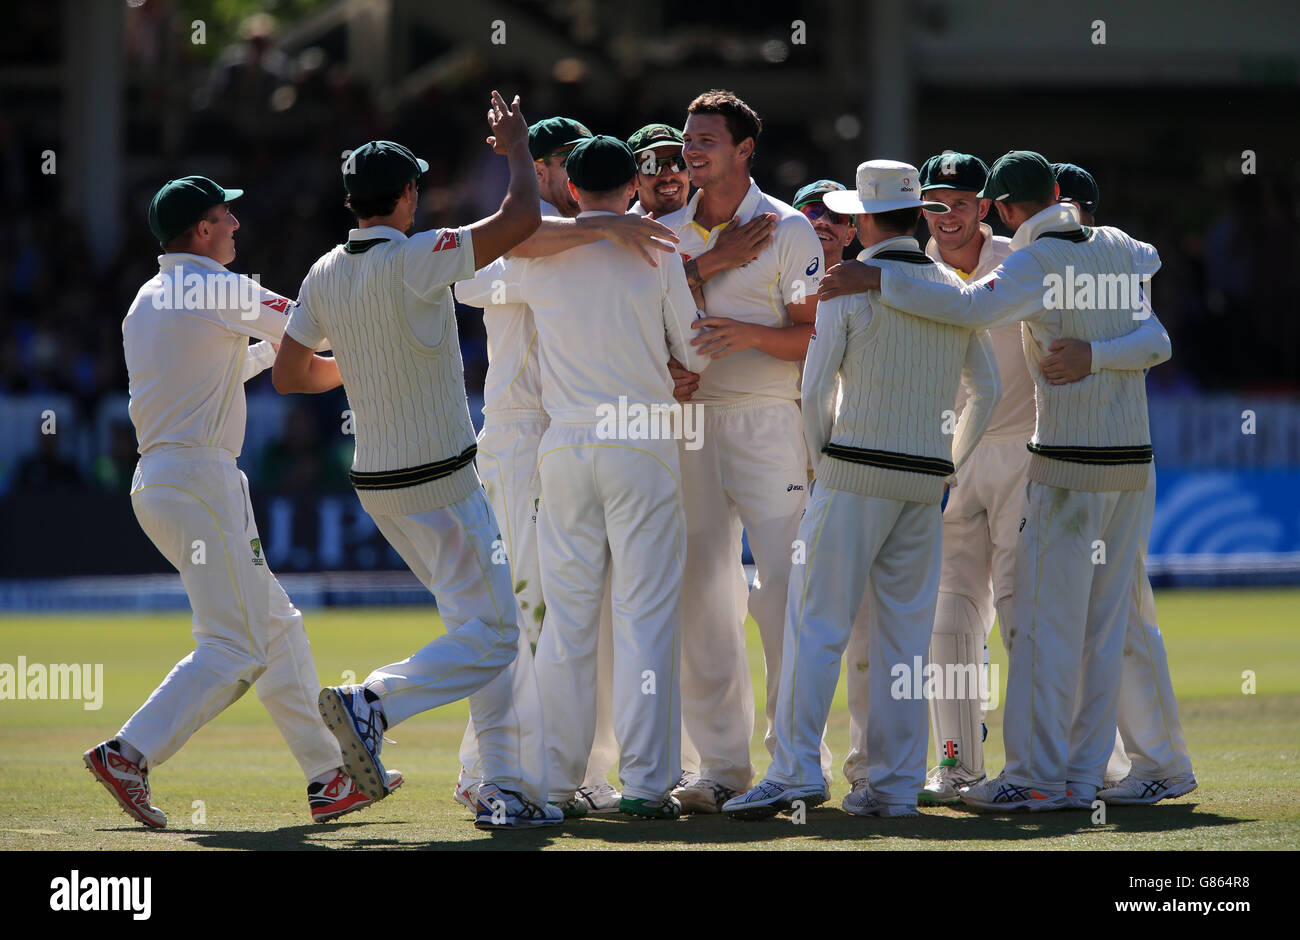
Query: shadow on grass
[{"x": 825, "y": 824}]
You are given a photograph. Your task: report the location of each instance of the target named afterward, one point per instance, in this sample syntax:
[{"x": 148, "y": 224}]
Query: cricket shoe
[
  {"x": 1135, "y": 791},
  {"x": 339, "y": 797},
  {"x": 667, "y": 808},
  {"x": 599, "y": 801},
  {"x": 943, "y": 786},
  {"x": 127, "y": 781},
  {"x": 573, "y": 808},
  {"x": 862, "y": 801},
  {"x": 769, "y": 798},
  {"x": 508, "y": 809},
  {"x": 359, "y": 727},
  {"x": 702, "y": 795},
  {"x": 1079, "y": 795},
  {"x": 1000, "y": 796},
  {"x": 465, "y": 792}
]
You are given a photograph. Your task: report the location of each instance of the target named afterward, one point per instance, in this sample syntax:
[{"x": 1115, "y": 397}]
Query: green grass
[{"x": 1244, "y": 746}]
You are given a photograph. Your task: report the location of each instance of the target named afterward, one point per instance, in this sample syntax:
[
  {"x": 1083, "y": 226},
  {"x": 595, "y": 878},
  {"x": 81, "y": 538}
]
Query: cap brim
[
  {"x": 658, "y": 143},
  {"x": 848, "y": 203},
  {"x": 422, "y": 164},
  {"x": 231, "y": 194},
  {"x": 964, "y": 189}
]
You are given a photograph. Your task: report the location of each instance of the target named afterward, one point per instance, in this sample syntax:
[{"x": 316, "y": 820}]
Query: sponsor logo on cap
[{"x": 907, "y": 185}]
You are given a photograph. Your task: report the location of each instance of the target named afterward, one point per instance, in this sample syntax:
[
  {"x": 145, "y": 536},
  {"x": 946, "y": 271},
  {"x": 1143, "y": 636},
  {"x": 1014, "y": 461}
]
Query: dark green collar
[
  {"x": 903, "y": 254},
  {"x": 1082, "y": 235},
  {"x": 361, "y": 246}
]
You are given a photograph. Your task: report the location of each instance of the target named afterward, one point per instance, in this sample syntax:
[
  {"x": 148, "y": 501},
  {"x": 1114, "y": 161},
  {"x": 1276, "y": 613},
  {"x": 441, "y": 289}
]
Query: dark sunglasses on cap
[
  {"x": 651, "y": 166},
  {"x": 816, "y": 210}
]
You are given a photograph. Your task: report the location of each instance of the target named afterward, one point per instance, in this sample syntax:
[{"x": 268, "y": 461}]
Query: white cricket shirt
[
  {"x": 1014, "y": 416},
  {"x": 185, "y": 338},
  {"x": 787, "y": 271},
  {"x": 514, "y": 374},
  {"x": 607, "y": 323}
]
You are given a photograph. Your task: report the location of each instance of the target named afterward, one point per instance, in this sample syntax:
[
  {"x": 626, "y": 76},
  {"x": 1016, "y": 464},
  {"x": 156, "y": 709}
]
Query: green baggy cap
[
  {"x": 180, "y": 203},
  {"x": 1020, "y": 176}
]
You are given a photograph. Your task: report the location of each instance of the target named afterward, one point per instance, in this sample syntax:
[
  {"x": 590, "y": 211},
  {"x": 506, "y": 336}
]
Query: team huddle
[{"x": 912, "y": 443}]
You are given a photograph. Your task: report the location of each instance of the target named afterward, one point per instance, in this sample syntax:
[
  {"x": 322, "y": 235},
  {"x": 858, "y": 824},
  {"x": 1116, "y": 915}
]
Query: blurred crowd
[{"x": 275, "y": 126}]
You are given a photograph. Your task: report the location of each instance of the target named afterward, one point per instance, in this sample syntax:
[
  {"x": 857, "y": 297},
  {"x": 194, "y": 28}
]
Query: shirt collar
[
  {"x": 589, "y": 212},
  {"x": 175, "y": 258},
  {"x": 744, "y": 212},
  {"x": 375, "y": 231},
  {"x": 897, "y": 243},
  {"x": 1058, "y": 217}
]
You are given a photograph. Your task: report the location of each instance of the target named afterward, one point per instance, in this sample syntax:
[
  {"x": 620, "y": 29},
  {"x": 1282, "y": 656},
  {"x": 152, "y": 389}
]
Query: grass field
[{"x": 1245, "y": 746}]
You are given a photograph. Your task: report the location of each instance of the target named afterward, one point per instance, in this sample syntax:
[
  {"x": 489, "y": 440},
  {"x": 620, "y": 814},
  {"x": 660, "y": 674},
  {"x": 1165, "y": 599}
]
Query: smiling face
[
  {"x": 711, "y": 155},
  {"x": 665, "y": 192},
  {"x": 953, "y": 230},
  {"x": 833, "y": 230}
]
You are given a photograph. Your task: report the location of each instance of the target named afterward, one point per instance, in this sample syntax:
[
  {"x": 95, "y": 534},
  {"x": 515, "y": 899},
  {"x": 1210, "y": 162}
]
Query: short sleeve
[
  {"x": 799, "y": 251},
  {"x": 303, "y": 326},
  {"x": 437, "y": 259}
]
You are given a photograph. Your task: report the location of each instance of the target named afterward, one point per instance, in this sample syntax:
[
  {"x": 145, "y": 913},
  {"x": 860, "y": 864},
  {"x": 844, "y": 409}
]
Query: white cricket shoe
[
  {"x": 1079, "y": 795},
  {"x": 508, "y": 809},
  {"x": 944, "y": 783},
  {"x": 359, "y": 728},
  {"x": 598, "y": 801},
  {"x": 703, "y": 795},
  {"x": 769, "y": 798},
  {"x": 862, "y": 801},
  {"x": 126, "y": 780},
  {"x": 1134, "y": 791},
  {"x": 465, "y": 792},
  {"x": 998, "y": 795}
]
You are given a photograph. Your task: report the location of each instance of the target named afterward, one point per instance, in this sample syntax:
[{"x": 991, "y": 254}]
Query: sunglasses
[
  {"x": 652, "y": 167},
  {"x": 815, "y": 211}
]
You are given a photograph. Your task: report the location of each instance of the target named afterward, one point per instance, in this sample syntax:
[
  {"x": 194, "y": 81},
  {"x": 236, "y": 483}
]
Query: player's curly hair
[{"x": 742, "y": 120}]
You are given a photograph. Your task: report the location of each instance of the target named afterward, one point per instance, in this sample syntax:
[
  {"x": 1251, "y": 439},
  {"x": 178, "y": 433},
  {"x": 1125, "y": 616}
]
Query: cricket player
[
  {"x": 874, "y": 513},
  {"x": 187, "y": 357},
  {"x": 1090, "y": 461},
  {"x": 752, "y": 470},
  {"x": 384, "y": 303},
  {"x": 610, "y": 491},
  {"x": 1150, "y": 761},
  {"x": 513, "y": 423}
]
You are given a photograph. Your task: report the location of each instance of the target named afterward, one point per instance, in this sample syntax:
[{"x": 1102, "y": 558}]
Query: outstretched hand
[{"x": 509, "y": 126}]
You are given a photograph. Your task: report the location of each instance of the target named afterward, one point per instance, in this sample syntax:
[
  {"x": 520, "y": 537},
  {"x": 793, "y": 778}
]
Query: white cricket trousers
[
  {"x": 981, "y": 528},
  {"x": 1150, "y": 741},
  {"x": 849, "y": 539},
  {"x": 193, "y": 504},
  {"x": 507, "y": 465},
  {"x": 450, "y": 549},
  {"x": 1074, "y": 580},
  {"x": 752, "y": 472},
  {"x": 611, "y": 506}
]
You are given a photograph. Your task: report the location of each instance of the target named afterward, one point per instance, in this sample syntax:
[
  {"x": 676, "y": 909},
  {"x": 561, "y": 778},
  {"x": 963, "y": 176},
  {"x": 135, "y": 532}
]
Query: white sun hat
[{"x": 883, "y": 186}]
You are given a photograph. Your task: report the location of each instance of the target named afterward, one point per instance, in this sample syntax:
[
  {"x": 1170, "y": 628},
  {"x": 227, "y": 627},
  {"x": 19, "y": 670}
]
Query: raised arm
[
  {"x": 642, "y": 235},
  {"x": 519, "y": 214},
  {"x": 979, "y": 374}
]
